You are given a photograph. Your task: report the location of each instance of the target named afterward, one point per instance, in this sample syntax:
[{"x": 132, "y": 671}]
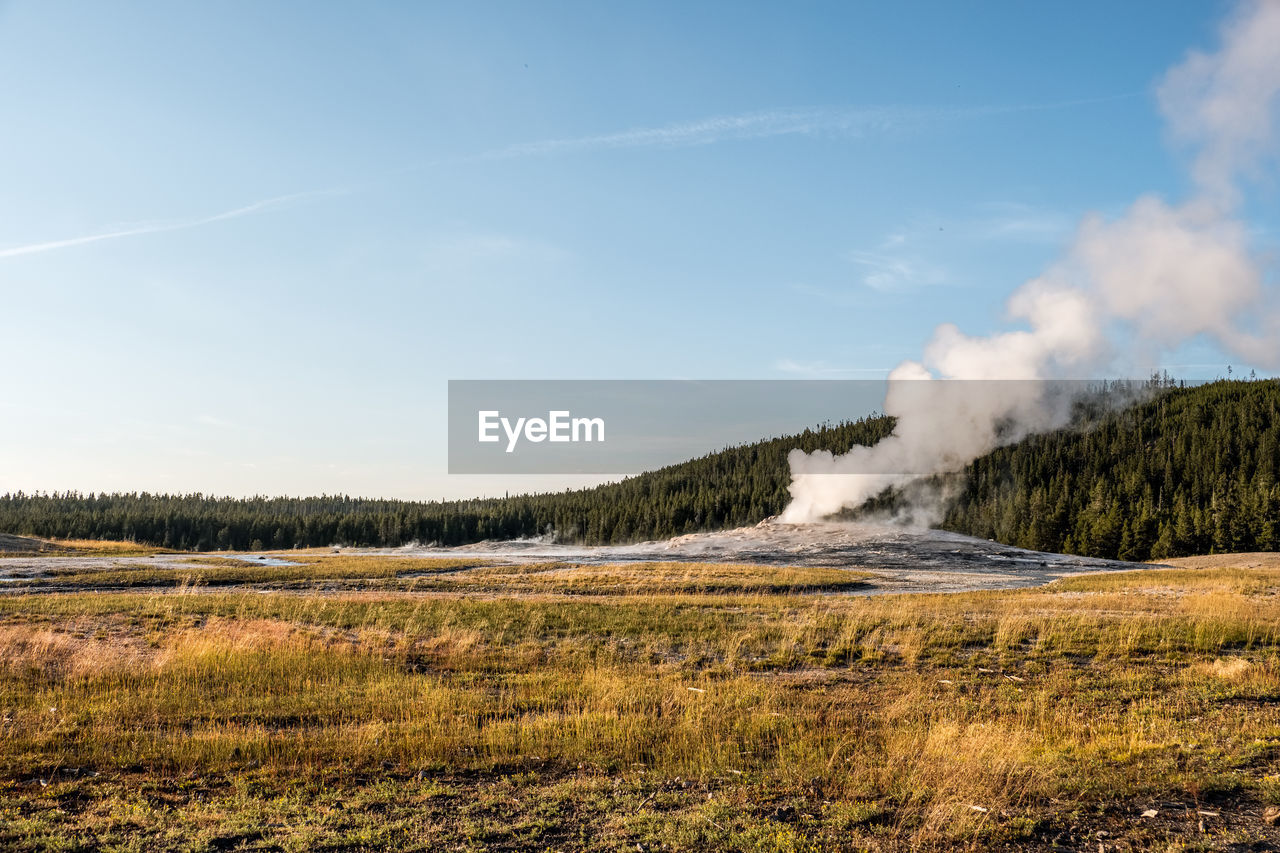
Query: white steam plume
[{"x": 1125, "y": 291}]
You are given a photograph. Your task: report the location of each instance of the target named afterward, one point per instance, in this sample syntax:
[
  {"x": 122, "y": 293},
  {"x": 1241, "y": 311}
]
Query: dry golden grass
[
  {"x": 105, "y": 548},
  {"x": 1253, "y": 560},
  {"x": 19, "y": 546},
  {"x": 29, "y": 651},
  {"x": 459, "y": 575},
  {"x": 752, "y": 719},
  {"x": 222, "y": 571},
  {"x": 648, "y": 578}
]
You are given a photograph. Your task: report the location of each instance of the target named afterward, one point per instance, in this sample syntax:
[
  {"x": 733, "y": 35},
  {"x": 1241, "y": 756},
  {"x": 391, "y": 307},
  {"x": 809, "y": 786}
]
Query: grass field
[
  {"x": 23, "y": 545},
  {"x": 362, "y": 703},
  {"x": 452, "y": 574}
]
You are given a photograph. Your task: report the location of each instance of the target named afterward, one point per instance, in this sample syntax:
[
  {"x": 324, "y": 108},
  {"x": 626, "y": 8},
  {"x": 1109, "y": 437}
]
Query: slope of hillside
[{"x": 1190, "y": 471}]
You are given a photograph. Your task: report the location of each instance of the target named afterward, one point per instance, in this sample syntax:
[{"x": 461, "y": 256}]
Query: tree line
[
  {"x": 1186, "y": 470},
  {"x": 733, "y": 487}
]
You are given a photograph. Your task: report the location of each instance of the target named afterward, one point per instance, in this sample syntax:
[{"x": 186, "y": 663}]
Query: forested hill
[
  {"x": 1191, "y": 470},
  {"x": 736, "y": 486}
]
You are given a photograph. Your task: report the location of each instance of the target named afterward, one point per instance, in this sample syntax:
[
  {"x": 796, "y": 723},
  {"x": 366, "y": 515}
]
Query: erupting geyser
[{"x": 1125, "y": 292}]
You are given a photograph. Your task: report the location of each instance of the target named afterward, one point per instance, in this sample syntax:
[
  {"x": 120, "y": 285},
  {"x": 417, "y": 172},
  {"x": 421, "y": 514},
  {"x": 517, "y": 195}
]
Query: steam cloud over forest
[{"x": 1125, "y": 292}]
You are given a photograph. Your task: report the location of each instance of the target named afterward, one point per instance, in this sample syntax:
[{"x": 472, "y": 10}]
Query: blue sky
[{"x": 243, "y": 246}]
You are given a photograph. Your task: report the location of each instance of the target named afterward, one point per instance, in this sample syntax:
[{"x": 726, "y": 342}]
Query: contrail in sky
[
  {"x": 159, "y": 227},
  {"x": 846, "y": 121}
]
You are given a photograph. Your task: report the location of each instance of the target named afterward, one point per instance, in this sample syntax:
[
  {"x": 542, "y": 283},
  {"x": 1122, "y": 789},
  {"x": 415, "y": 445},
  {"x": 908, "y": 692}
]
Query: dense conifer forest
[
  {"x": 736, "y": 486},
  {"x": 1188, "y": 470}
]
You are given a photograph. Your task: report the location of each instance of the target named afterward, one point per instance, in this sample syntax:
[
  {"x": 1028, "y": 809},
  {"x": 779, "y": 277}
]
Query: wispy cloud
[
  {"x": 705, "y": 131},
  {"x": 832, "y": 121},
  {"x": 824, "y": 370},
  {"x": 161, "y": 227},
  {"x": 468, "y": 253},
  {"x": 892, "y": 271},
  {"x": 926, "y": 252},
  {"x": 1022, "y": 222}
]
